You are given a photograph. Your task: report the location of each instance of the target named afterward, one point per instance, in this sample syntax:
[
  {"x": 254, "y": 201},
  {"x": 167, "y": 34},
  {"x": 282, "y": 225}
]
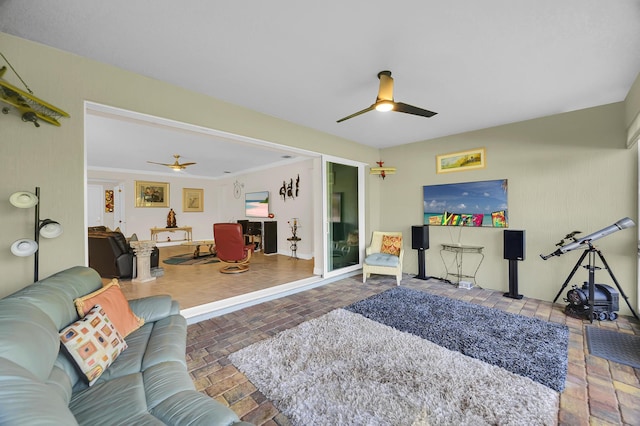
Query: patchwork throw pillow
[
  {"x": 391, "y": 245},
  {"x": 114, "y": 303},
  {"x": 93, "y": 342}
]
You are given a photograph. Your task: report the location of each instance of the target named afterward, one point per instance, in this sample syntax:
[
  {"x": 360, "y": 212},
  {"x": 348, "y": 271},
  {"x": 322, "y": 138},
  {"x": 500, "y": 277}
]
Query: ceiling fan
[
  {"x": 385, "y": 102},
  {"x": 175, "y": 166}
]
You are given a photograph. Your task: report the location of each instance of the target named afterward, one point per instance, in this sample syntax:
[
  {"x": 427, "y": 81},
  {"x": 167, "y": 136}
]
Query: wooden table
[
  {"x": 187, "y": 232},
  {"x": 197, "y": 244}
]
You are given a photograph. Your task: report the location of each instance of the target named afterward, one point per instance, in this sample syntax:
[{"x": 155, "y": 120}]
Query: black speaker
[
  {"x": 420, "y": 237},
  {"x": 270, "y": 243},
  {"x": 514, "y": 243}
]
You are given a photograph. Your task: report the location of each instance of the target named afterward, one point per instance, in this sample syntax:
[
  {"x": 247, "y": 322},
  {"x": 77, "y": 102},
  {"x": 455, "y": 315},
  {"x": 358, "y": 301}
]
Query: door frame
[{"x": 325, "y": 215}]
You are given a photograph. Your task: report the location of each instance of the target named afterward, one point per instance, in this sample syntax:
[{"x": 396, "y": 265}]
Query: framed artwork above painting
[
  {"x": 192, "y": 200},
  {"x": 461, "y": 161},
  {"x": 152, "y": 194}
]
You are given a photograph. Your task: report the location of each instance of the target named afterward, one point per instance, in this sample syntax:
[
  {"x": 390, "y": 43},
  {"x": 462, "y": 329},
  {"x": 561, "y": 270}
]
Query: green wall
[
  {"x": 566, "y": 172},
  {"x": 53, "y": 158}
]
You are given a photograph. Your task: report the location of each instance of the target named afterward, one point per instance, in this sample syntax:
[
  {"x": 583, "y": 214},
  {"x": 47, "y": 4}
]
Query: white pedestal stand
[{"x": 143, "y": 251}]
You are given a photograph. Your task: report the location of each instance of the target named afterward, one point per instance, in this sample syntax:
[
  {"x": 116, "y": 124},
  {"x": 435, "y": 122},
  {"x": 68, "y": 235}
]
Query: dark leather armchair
[
  {"x": 231, "y": 247},
  {"x": 111, "y": 255}
]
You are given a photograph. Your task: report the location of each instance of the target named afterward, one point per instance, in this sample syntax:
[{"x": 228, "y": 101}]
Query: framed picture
[
  {"x": 152, "y": 194},
  {"x": 108, "y": 201},
  {"x": 192, "y": 200},
  {"x": 461, "y": 161}
]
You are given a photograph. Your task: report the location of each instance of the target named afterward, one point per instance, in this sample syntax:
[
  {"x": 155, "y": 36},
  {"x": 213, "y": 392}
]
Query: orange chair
[{"x": 231, "y": 248}]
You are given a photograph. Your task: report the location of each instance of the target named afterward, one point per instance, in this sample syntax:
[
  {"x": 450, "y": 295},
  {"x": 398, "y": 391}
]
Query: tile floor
[
  {"x": 193, "y": 285},
  {"x": 597, "y": 392}
]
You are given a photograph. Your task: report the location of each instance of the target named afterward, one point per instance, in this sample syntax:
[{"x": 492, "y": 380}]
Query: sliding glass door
[{"x": 344, "y": 215}]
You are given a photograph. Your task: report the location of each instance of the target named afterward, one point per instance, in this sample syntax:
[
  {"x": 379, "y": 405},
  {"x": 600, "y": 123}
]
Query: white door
[{"x": 95, "y": 205}]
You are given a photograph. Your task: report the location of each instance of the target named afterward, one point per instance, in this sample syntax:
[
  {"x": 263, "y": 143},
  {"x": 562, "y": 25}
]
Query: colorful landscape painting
[{"x": 481, "y": 203}]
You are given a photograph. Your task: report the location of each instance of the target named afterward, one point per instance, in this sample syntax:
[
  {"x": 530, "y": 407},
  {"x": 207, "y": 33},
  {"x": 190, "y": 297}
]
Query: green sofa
[{"x": 147, "y": 384}]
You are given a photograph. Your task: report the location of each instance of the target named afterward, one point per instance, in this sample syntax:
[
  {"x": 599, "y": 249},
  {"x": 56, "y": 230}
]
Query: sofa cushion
[
  {"x": 115, "y": 305},
  {"x": 194, "y": 408},
  {"x": 116, "y": 402},
  {"x": 93, "y": 342},
  {"x": 25, "y": 400},
  {"x": 382, "y": 259},
  {"x": 28, "y": 337},
  {"x": 391, "y": 245},
  {"x": 130, "y": 361}
]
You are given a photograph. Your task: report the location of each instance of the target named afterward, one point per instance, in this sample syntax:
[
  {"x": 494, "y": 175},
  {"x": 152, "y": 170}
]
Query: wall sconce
[
  {"x": 46, "y": 228},
  {"x": 382, "y": 171}
]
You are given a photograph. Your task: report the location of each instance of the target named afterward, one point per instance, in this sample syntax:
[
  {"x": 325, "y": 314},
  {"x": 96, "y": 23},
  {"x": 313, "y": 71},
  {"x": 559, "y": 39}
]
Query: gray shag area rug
[
  {"x": 526, "y": 346},
  {"x": 345, "y": 369}
]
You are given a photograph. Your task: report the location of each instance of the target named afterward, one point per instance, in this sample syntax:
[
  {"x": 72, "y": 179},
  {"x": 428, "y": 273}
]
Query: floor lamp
[{"x": 46, "y": 228}]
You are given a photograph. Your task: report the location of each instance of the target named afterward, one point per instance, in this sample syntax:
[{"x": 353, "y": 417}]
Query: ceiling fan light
[{"x": 384, "y": 106}]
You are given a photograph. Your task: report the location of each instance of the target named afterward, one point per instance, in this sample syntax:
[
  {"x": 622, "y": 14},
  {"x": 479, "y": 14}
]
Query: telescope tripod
[{"x": 592, "y": 268}]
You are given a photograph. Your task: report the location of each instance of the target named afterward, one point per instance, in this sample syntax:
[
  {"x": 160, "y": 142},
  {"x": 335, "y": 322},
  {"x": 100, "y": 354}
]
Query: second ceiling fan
[
  {"x": 176, "y": 165},
  {"x": 385, "y": 102}
]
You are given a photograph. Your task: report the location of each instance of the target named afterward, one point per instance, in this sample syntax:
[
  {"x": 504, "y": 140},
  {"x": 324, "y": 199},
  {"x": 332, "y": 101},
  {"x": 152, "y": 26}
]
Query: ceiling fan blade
[
  {"x": 356, "y": 113},
  {"x": 186, "y": 164},
  {"x": 410, "y": 109},
  {"x": 161, "y": 164}
]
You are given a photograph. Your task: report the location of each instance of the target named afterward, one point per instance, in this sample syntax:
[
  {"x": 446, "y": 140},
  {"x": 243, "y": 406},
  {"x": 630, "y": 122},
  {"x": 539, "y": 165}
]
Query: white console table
[{"x": 457, "y": 251}]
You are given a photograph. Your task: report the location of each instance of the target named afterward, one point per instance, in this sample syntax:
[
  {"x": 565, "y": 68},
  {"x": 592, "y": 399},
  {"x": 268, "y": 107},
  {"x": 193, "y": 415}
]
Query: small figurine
[{"x": 171, "y": 219}]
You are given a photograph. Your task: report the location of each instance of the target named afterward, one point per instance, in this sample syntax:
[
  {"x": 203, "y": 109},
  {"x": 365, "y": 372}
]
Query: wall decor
[
  {"x": 237, "y": 189},
  {"x": 192, "y": 199},
  {"x": 256, "y": 204},
  {"x": 287, "y": 190},
  {"x": 478, "y": 204},
  {"x": 461, "y": 161},
  {"x": 152, "y": 194},
  {"x": 108, "y": 200}
]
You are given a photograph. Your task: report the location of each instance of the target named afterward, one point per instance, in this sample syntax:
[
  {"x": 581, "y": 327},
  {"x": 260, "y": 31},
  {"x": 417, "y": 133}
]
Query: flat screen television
[{"x": 256, "y": 204}]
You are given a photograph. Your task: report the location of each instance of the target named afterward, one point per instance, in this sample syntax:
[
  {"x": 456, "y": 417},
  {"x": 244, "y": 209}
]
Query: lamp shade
[
  {"x": 24, "y": 248},
  {"x": 23, "y": 199},
  {"x": 50, "y": 229}
]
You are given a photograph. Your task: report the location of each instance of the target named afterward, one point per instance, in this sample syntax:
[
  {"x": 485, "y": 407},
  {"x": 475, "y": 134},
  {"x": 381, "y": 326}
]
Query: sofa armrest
[{"x": 154, "y": 308}]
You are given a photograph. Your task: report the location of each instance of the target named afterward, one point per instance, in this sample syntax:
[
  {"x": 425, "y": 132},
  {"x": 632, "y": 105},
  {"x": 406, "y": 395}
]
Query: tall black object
[
  {"x": 270, "y": 243},
  {"x": 591, "y": 267},
  {"x": 514, "y": 250},
  {"x": 420, "y": 242}
]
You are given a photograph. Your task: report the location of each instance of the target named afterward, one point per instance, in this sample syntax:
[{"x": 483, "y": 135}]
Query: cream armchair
[{"x": 384, "y": 255}]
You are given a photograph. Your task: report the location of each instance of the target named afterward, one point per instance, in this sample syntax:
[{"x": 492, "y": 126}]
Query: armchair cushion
[
  {"x": 391, "y": 244},
  {"x": 382, "y": 259}
]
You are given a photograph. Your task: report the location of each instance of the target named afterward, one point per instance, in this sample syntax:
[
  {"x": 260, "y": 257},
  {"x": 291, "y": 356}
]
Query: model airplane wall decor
[
  {"x": 382, "y": 170},
  {"x": 30, "y": 108}
]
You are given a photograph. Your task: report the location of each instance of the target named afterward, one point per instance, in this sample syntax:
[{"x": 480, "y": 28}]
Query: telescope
[{"x": 578, "y": 243}]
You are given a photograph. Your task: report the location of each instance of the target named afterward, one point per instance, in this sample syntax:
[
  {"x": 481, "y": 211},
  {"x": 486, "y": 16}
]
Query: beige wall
[
  {"x": 632, "y": 113},
  {"x": 53, "y": 158},
  {"x": 566, "y": 172}
]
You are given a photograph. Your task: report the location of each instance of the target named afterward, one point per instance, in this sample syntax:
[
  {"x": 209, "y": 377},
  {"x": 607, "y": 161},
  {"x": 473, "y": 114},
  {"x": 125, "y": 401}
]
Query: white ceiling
[{"x": 477, "y": 63}]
